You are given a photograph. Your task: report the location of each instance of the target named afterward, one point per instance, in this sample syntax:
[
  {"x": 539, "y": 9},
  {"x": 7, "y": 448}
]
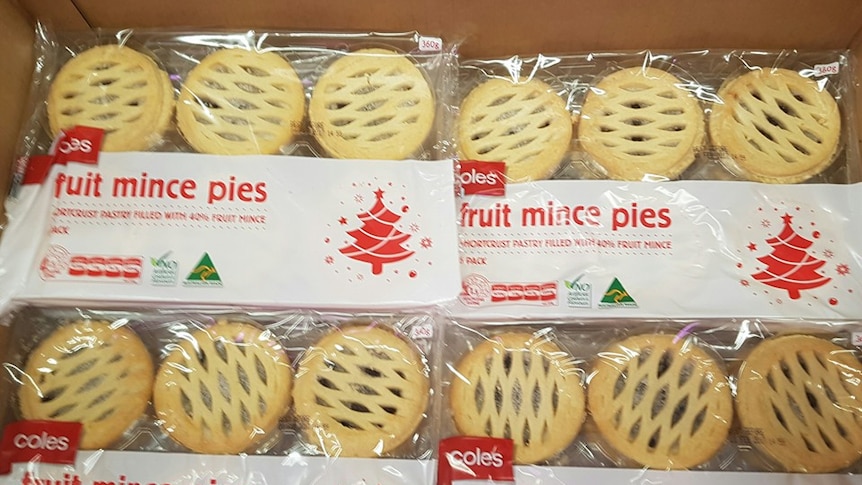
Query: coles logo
[
  {"x": 45, "y": 441},
  {"x": 478, "y": 457},
  {"x": 78, "y": 144},
  {"x": 483, "y": 178},
  {"x": 59, "y": 264},
  {"x": 529, "y": 293},
  {"x": 466, "y": 458},
  {"x": 71, "y": 144},
  {"x": 42, "y": 441}
]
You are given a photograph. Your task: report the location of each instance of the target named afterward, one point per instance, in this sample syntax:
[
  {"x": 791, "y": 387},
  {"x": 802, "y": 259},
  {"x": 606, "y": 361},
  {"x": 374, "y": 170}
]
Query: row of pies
[
  {"x": 359, "y": 391},
  {"x": 372, "y": 104},
  {"x": 645, "y": 124},
  {"x": 662, "y": 401},
  {"x": 636, "y": 124}
]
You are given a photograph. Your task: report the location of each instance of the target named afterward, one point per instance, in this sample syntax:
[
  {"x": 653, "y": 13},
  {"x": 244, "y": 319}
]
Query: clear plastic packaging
[
  {"x": 732, "y": 395},
  {"x": 294, "y": 383},
  {"x": 656, "y": 116},
  {"x": 242, "y": 97},
  {"x": 337, "y": 95}
]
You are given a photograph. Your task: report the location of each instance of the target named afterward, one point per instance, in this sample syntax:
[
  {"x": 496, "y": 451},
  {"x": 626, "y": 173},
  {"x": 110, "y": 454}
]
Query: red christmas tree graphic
[
  {"x": 789, "y": 266},
  {"x": 378, "y": 241}
]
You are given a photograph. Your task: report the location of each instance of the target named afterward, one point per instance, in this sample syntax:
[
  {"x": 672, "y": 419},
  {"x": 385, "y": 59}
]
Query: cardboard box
[{"x": 488, "y": 29}]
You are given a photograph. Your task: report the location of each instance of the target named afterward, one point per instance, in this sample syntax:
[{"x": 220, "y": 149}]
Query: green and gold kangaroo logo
[
  {"x": 616, "y": 295},
  {"x": 205, "y": 270}
]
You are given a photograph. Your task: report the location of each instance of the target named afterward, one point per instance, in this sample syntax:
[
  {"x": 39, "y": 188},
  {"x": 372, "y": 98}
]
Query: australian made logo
[
  {"x": 204, "y": 273},
  {"x": 580, "y": 293},
  {"x": 165, "y": 270},
  {"x": 616, "y": 296}
]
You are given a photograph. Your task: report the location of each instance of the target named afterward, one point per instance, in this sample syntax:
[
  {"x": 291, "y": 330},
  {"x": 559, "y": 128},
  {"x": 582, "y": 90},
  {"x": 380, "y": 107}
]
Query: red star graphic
[
  {"x": 787, "y": 218},
  {"x": 342, "y": 221},
  {"x": 329, "y": 260},
  {"x": 744, "y": 282},
  {"x": 378, "y": 193},
  {"x": 828, "y": 253},
  {"x": 426, "y": 242},
  {"x": 765, "y": 223},
  {"x": 752, "y": 247},
  {"x": 842, "y": 269}
]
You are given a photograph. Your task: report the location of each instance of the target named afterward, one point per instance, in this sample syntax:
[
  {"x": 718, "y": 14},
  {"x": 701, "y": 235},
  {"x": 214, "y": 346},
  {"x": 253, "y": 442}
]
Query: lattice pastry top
[
  {"x": 663, "y": 403},
  {"x": 800, "y": 399},
  {"x": 361, "y": 391},
  {"x": 116, "y": 89},
  {"x": 241, "y": 102},
  {"x": 777, "y": 126},
  {"x": 223, "y": 389},
  {"x": 92, "y": 373},
  {"x": 639, "y": 122},
  {"x": 372, "y": 104},
  {"x": 525, "y": 125},
  {"x": 522, "y": 387}
]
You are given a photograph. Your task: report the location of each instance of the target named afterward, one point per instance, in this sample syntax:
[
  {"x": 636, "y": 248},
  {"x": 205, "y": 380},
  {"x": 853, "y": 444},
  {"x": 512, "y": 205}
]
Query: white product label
[
  {"x": 826, "y": 69},
  {"x": 680, "y": 249},
  {"x": 280, "y": 230},
  {"x": 127, "y": 468},
  {"x": 120, "y": 467},
  {"x": 430, "y": 44},
  {"x": 554, "y": 475}
]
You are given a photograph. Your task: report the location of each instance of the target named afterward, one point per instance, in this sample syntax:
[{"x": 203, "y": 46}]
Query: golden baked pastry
[
  {"x": 372, "y": 104},
  {"x": 522, "y": 387},
  {"x": 525, "y": 125},
  {"x": 223, "y": 389},
  {"x": 114, "y": 88},
  {"x": 800, "y": 399},
  {"x": 241, "y": 102},
  {"x": 361, "y": 391},
  {"x": 639, "y": 123},
  {"x": 776, "y": 126},
  {"x": 662, "y": 403},
  {"x": 91, "y": 372}
]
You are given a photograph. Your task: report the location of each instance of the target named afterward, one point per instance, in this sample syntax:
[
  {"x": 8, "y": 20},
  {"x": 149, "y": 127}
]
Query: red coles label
[
  {"x": 80, "y": 144},
  {"x": 483, "y": 178},
  {"x": 43, "y": 441},
  {"x": 480, "y": 459}
]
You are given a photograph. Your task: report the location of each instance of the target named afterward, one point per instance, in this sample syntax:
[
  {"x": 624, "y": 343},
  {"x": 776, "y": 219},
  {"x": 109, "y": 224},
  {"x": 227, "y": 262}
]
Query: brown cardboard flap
[
  {"x": 856, "y": 47},
  {"x": 16, "y": 57},
  {"x": 61, "y": 14},
  {"x": 16, "y": 35},
  {"x": 515, "y": 26}
]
